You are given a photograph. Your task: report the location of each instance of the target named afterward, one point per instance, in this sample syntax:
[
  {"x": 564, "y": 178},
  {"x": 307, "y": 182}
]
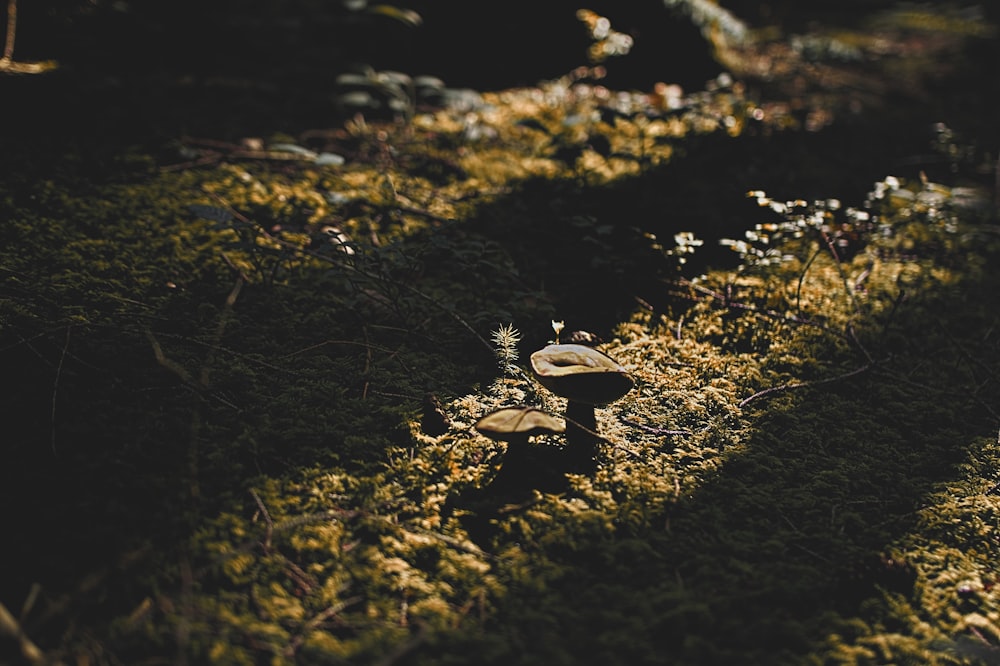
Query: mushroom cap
[
  {"x": 516, "y": 422},
  {"x": 580, "y": 374}
]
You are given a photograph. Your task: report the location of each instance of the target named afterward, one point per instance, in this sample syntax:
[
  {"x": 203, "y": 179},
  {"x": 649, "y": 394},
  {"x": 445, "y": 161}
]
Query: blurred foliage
[{"x": 219, "y": 358}]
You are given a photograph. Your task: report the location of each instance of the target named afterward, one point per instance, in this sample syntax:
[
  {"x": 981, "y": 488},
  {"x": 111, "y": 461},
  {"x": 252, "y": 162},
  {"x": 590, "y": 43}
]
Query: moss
[{"x": 228, "y": 402}]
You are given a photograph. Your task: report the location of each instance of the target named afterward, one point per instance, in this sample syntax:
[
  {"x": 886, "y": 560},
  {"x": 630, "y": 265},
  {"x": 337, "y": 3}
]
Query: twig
[
  {"x": 55, "y": 391},
  {"x": 8, "y": 48},
  {"x": 933, "y": 389},
  {"x": 457, "y": 544},
  {"x": 7, "y": 62},
  {"x": 366, "y": 372},
  {"x": 840, "y": 269},
  {"x": 978, "y": 634},
  {"x": 220, "y": 329},
  {"x": 170, "y": 365},
  {"x": 356, "y": 343},
  {"x": 634, "y": 454},
  {"x": 896, "y": 302},
  {"x": 10, "y": 627},
  {"x": 317, "y": 620},
  {"x": 267, "y": 519},
  {"x": 802, "y": 276},
  {"x": 210, "y": 157},
  {"x": 230, "y": 352},
  {"x": 800, "y": 546},
  {"x": 854, "y": 339},
  {"x": 965, "y": 353},
  {"x": 787, "y": 387}
]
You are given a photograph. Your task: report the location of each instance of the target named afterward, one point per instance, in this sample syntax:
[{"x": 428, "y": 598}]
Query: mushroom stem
[
  {"x": 516, "y": 461},
  {"x": 581, "y": 438},
  {"x": 526, "y": 466}
]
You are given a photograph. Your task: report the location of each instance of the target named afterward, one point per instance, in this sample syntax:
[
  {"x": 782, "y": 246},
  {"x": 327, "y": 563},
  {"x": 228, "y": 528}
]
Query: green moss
[{"x": 228, "y": 403}]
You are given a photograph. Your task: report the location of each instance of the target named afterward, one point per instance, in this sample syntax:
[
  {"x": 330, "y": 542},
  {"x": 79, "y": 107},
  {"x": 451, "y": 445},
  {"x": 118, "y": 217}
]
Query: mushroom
[
  {"x": 514, "y": 425},
  {"x": 586, "y": 378}
]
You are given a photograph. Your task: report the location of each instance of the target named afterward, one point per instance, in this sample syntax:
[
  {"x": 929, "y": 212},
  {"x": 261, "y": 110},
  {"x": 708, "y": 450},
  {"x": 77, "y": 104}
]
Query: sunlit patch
[{"x": 608, "y": 42}]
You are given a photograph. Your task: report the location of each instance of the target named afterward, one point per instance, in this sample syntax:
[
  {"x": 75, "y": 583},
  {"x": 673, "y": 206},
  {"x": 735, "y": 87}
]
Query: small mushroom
[
  {"x": 586, "y": 378},
  {"x": 514, "y": 425}
]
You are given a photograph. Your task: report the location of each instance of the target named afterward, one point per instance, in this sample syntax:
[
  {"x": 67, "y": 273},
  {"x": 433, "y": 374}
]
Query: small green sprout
[{"x": 505, "y": 339}]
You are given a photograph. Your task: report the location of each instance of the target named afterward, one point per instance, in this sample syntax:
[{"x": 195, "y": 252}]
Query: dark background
[{"x": 468, "y": 44}]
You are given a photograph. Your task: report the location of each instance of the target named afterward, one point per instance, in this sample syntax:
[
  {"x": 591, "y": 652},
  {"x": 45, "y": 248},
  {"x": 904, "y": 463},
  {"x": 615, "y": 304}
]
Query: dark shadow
[
  {"x": 756, "y": 558},
  {"x": 786, "y": 549}
]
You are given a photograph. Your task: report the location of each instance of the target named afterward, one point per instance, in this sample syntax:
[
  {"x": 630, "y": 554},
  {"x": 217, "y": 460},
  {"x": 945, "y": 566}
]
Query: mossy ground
[{"x": 216, "y": 365}]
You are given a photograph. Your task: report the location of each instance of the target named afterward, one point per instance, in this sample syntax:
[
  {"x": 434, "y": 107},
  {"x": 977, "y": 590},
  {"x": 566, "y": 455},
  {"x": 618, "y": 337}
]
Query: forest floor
[{"x": 245, "y": 355}]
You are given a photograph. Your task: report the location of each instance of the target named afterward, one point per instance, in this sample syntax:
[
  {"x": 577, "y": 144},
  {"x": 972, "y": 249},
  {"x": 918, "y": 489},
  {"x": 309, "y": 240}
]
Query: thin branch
[
  {"x": 635, "y": 455},
  {"x": 956, "y": 394},
  {"x": 802, "y": 277},
  {"x": 267, "y": 519},
  {"x": 316, "y": 621},
  {"x": 10, "y": 627},
  {"x": 8, "y": 49},
  {"x": 972, "y": 360},
  {"x": 797, "y": 385},
  {"x": 220, "y": 329},
  {"x": 854, "y": 339},
  {"x": 367, "y": 345},
  {"x": 55, "y": 391},
  {"x": 840, "y": 269},
  {"x": 170, "y": 365},
  {"x": 7, "y": 63}
]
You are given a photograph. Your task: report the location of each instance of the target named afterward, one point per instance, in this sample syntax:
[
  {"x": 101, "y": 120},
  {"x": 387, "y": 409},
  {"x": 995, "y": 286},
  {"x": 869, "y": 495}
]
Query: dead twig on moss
[
  {"x": 55, "y": 392},
  {"x": 315, "y": 621},
  {"x": 267, "y": 519},
  {"x": 797, "y": 385},
  {"x": 10, "y": 627},
  {"x": 903, "y": 379},
  {"x": 211, "y": 152},
  {"x": 7, "y": 63},
  {"x": 201, "y": 385},
  {"x": 802, "y": 277},
  {"x": 966, "y": 354},
  {"x": 242, "y": 357},
  {"x": 220, "y": 329},
  {"x": 169, "y": 364},
  {"x": 840, "y": 270},
  {"x": 854, "y": 338}
]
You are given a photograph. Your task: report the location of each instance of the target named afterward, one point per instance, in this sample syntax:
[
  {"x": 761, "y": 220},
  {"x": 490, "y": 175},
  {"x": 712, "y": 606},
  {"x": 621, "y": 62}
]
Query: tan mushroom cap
[
  {"x": 510, "y": 422},
  {"x": 581, "y": 374}
]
